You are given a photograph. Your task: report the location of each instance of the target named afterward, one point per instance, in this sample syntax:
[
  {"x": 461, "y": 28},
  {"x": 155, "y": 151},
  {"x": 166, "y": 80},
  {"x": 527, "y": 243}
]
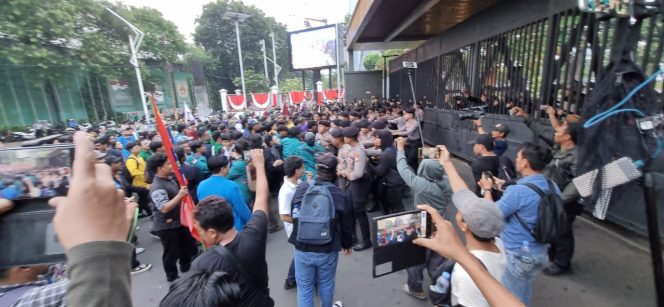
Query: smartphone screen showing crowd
[
  {"x": 428, "y": 153},
  {"x": 40, "y": 172},
  {"x": 393, "y": 247},
  {"x": 29, "y": 177}
]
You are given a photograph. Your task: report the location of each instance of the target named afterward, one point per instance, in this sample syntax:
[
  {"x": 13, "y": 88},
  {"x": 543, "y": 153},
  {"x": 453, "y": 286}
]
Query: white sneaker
[
  {"x": 338, "y": 304},
  {"x": 419, "y": 295},
  {"x": 141, "y": 268},
  {"x": 139, "y": 250}
]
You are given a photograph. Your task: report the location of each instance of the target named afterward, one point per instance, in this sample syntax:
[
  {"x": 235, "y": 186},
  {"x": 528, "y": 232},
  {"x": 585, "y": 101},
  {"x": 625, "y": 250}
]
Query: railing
[{"x": 553, "y": 61}]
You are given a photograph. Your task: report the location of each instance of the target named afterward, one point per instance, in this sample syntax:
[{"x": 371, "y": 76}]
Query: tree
[
  {"x": 217, "y": 37},
  {"x": 53, "y": 40},
  {"x": 253, "y": 81},
  {"x": 370, "y": 61},
  {"x": 290, "y": 84}
]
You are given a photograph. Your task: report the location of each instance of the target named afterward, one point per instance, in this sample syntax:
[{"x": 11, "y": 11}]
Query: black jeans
[
  {"x": 392, "y": 198},
  {"x": 561, "y": 252},
  {"x": 180, "y": 247},
  {"x": 143, "y": 200}
]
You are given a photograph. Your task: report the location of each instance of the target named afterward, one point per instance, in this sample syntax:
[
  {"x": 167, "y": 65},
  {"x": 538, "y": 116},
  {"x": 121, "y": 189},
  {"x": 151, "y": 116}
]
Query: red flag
[{"x": 187, "y": 204}]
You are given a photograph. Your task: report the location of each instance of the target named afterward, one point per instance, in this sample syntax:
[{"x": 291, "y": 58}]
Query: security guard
[{"x": 359, "y": 185}]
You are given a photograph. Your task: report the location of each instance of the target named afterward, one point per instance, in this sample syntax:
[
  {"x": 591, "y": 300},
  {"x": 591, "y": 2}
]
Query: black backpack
[
  {"x": 126, "y": 175},
  {"x": 551, "y": 217}
]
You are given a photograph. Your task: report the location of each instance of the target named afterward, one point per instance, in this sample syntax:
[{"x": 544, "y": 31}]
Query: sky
[{"x": 289, "y": 12}]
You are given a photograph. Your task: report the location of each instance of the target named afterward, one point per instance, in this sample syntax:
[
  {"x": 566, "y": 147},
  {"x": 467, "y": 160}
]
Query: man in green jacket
[{"x": 430, "y": 186}]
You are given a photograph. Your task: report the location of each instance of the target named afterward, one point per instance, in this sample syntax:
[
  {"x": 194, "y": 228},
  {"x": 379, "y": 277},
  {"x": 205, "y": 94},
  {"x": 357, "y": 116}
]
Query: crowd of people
[{"x": 328, "y": 166}]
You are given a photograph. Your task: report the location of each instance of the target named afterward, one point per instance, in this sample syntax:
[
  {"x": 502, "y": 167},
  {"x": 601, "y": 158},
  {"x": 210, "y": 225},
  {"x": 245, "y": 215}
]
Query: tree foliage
[
  {"x": 254, "y": 82},
  {"x": 82, "y": 34},
  {"x": 371, "y": 60},
  {"x": 216, "y": 35}
]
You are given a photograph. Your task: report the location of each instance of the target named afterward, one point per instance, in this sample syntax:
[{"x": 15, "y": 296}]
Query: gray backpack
[{"x": 316, "y": 215}]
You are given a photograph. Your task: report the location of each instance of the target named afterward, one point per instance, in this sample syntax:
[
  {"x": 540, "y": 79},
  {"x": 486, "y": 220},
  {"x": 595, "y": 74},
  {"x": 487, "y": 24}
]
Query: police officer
[
  {"x": 359, "y": 185},
  {"x": 323, "y": 136},
  {"x": 340, "y": 150},
  {"x": 366, "y": 137},
  {"x": 411, "y": 130}
]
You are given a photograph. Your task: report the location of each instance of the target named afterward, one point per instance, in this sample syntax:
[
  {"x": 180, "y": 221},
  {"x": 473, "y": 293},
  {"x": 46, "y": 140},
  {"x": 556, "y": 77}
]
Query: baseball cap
[
  {"x": 485, "y": 140},
  {"x": 351, "y": 132},
  {"x": 502, "y": 128},
  {"x": 483, "y": 217},
  {"x": 326, "y": 162},
  {"x": 110, "y": 159}
]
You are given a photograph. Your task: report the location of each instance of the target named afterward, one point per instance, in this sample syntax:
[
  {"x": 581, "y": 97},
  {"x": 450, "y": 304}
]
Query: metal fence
[
  {"x": 29, "y": 93},
  {"x": 552, "y": 61}
]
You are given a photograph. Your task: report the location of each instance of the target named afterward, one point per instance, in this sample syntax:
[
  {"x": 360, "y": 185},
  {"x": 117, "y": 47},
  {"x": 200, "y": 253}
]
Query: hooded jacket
[{"x": 430, "y": 184}]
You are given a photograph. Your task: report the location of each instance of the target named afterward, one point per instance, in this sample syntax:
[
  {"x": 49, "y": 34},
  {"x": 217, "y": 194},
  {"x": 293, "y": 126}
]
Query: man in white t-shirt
[
  {"x": 481, "y": 222},
  {"x": 294, "y": 169}
]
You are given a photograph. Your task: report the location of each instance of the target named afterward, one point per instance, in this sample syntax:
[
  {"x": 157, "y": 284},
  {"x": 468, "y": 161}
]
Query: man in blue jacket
[{"x": 218, "y": 185}]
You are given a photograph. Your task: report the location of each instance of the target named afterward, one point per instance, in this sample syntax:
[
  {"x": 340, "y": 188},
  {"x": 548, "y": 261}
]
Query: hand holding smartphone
[{"x": 393, "y": 243}]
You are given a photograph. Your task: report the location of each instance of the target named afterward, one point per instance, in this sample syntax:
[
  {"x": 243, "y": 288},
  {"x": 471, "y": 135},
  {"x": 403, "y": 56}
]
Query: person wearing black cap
[
  {"x": 366, "y": 137},
  {"x": 379, "y": 124},
  {"x": 323, "y": 136},
  {"x": 315, "y": 261},
  {"x": 359, "y": 185},
  {"x": 354, "y": 117},
  {"x": 411, "y": 130},
  {"x": 487, "y": 161},
  {"x": 499, "y": 133}
]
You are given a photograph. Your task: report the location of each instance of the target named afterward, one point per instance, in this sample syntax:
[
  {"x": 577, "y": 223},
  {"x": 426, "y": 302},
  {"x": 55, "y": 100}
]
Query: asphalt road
[{"x": 606, "y": 272}]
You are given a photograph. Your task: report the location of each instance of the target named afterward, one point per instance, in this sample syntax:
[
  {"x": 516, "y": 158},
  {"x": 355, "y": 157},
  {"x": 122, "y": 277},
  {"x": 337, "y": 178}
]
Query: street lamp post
[
  {"x": 274, "y": 61},
  {"x": 237, "y": 18},
  {"x": 135, "y": 43}
]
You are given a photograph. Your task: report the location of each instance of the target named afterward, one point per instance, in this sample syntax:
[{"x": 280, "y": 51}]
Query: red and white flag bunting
[
  {"x": 236, "y": 102},
  {"x": 261, "y": 100}
]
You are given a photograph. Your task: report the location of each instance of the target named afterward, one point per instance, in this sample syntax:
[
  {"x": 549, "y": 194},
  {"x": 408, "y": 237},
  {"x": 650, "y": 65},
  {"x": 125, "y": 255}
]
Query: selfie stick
[{"x": 410, "y": 66}]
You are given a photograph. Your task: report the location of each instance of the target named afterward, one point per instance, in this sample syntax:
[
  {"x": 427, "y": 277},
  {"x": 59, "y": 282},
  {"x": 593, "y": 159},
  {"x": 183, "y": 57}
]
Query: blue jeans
[
  {"x": 319, "y": 268},
  {"x": 521, "y": 272}
]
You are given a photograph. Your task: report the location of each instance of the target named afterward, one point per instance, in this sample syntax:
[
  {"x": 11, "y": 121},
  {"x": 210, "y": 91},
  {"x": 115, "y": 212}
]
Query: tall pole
[
  {"x": 134, "y": 61},
  {"x": 239, "y": 53},
  {"x": 338, "y": 64},
  {"x": 274, "y": 61},
  {"x": 267, "y": 75},
  {"x": 134, "y": 44}
]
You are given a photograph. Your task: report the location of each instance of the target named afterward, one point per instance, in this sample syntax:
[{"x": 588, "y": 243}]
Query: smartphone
[
  {"x": 28, "y": 236},
  {"x": 394, "y": 249},
  {"x": 29, "y": 177},
  {"x": 404, "y": 227},
  {"x": 489, "y": 176},
  {"x": 38, "y": 172},
  {"x": 247, "y": 156},
  {"x": 429, "y": 153}
]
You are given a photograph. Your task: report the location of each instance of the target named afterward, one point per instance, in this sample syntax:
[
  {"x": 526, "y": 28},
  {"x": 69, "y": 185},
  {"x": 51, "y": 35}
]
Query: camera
[{"x": 473, "y": 113}]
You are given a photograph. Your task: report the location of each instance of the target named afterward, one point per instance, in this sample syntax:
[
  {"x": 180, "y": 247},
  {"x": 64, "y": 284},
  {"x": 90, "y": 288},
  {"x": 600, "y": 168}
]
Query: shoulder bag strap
[
  {"x": 227, "y": 255},
  {"x": 541, "y": 194}
]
